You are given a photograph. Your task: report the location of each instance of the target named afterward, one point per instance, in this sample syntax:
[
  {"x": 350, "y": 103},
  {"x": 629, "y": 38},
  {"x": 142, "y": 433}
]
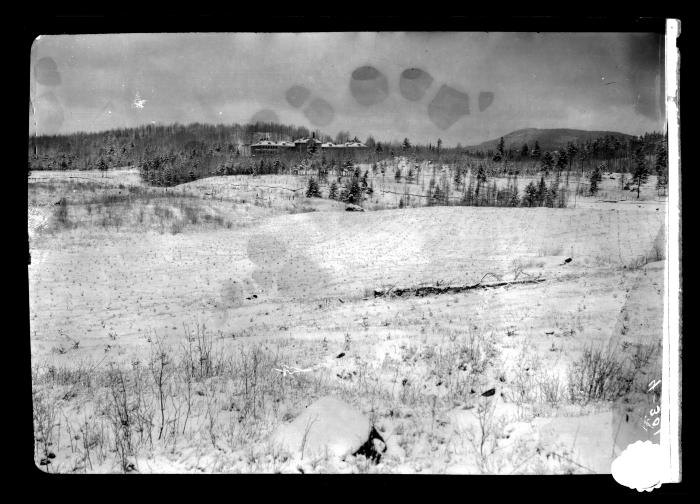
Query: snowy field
[{"x": 162, "y": 322}]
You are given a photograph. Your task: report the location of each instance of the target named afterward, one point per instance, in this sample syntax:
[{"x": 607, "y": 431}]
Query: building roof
[
  {"x": 270, "y": 143},
  {"x": 328, "y": 145},
  {"x": 331, "y": 145},
  {"x": 306, "y": 140}
]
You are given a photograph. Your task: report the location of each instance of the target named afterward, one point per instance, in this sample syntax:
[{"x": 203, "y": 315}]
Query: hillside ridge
[{"x": 548, "y": 138}]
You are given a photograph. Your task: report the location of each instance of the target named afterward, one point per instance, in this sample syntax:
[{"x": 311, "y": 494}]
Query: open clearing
[{"x": 259, "y": 282}]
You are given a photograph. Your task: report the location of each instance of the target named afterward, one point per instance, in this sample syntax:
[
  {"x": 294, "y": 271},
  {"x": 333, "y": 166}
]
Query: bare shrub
[
  {"x": 199, "y": 352},
  {"x": 119, "y": 413},
  {"x": 524, "y": 383},
  {"x": 551, "y": 388},
  {"x": 159, "y": 365},
  {"x": 599, "y": 374},
  {"x": 524, "y": 387},
  {"x": 485, "y": 439},
  {"x": 45, "y": 415},
  {"x": 63, "y": 375}
]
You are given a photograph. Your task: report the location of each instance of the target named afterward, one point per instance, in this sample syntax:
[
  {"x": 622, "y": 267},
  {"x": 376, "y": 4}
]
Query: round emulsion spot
[
  {"x": 47, "y": 114},
  {"x": 485, "y": 99},
  {"x": 46, "y": 72},
  {"x": 264, "y": 116},
  {"x": 368, "y": 86},
  {"x": 297, "y": 95},
  {"x": 448, "y": 106},
  {"x": 413, "y": 83},
  {"x": 319, "y": 112}
]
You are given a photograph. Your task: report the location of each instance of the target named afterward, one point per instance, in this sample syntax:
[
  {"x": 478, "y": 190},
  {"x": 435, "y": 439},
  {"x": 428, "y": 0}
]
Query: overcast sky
[{"x": 352, "y": 81}]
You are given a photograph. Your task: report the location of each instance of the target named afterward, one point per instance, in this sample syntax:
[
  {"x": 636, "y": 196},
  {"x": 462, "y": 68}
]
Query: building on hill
[
  {"x": 270, "y": 147},
  {"x": 346, "y": 148},
  {"x": 267, "y": 146},
  {"x": 304, "y": 144}
]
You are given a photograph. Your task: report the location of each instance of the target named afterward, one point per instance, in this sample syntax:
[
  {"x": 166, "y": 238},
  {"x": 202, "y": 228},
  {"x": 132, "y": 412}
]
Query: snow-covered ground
[{"x": 254, "y": 287}]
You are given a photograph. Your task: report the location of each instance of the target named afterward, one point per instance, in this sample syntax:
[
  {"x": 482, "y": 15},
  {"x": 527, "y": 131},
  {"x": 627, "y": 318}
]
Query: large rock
[{"x": 329, "y": 427}]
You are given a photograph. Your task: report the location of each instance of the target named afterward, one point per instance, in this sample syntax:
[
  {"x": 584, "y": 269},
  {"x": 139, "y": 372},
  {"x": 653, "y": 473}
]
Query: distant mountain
[{"x": 549, "y": 139}]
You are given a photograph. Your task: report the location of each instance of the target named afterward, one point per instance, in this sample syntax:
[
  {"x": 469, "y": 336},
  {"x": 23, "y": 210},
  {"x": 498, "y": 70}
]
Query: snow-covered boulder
[{"x": 329, "y": 427}]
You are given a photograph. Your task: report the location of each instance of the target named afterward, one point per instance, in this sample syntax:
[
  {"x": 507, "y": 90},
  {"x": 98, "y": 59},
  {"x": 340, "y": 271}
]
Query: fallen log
[{"x": 449, "y": 289}]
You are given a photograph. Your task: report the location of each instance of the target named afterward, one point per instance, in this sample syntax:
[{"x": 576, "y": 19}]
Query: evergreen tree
[
  {"x": 571, "y": 151},
  {"x": 514, "y": 199},
  {"x": 596, "y": 176},
  {"x": 333, "y": 191},
  {"x": 355, "y": 193},
  {"x": 102, "y": 166},
  {"x": 406, "y": 144},
  {"x": 524, "y": 151},
  {"x": 562, "y": 161},
  {"x": 397, "y": 175},
  {"x": 312, "y": 189},
  {"x": 531, "y": 195},
  {"x": 552, "y": 193},
  {"x": 641, "y": 170},
  {"x": 500, "y": 150},
  {"x": 547, "y": 162},
  {"x": 168, "y": 177},
  {"x": 481, "y": 174}
]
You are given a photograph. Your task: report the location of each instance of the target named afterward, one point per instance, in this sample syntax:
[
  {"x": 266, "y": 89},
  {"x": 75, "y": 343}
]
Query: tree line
[{"x": 172, "y": 154}]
